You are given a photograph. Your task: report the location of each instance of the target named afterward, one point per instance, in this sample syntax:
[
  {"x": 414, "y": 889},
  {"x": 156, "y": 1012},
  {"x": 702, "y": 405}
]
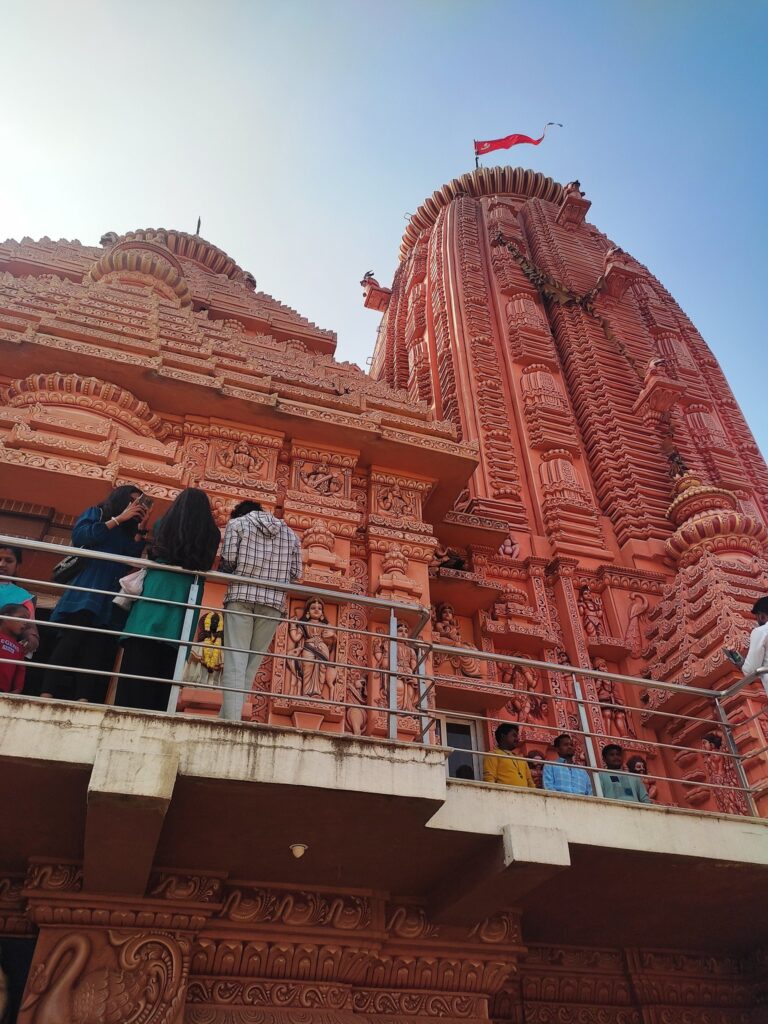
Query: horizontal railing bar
[
  {"x": 296, "y": 589},
  {"x": 212, "y": 688},
  {"x": 593, "y": 770},
  {"x": 203, "y": 608},
  {"x": 508, "y": 659},
  {"x": 624, "y": 740}
]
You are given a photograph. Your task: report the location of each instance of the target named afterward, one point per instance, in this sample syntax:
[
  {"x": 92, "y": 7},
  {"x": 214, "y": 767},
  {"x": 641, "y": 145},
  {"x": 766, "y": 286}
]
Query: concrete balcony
[{"x": 123, "y": 792}]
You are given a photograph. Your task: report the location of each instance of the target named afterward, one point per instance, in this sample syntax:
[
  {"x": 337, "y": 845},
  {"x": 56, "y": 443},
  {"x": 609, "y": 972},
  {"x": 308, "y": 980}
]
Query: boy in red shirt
[{"x": 11, "y": 631}]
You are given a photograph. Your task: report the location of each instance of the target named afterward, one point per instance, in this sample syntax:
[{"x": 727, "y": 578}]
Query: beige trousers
[{"x": 249, "y": 634}]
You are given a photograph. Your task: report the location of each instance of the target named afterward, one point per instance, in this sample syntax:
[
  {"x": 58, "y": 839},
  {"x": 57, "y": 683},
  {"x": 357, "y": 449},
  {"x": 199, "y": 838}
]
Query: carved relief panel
[
  {"x": 321, "y": 506},
  {"x": 396, "y": 500},
  {"x": 306, "y": 649},
  {"x": 548, "y": 417}
]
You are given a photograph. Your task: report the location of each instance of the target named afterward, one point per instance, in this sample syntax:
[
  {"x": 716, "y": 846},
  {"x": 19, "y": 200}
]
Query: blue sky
[{"x": 303, "y": 133}]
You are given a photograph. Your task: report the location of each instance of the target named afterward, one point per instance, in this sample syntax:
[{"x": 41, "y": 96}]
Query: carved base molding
[{"x": 202, "y": 950}]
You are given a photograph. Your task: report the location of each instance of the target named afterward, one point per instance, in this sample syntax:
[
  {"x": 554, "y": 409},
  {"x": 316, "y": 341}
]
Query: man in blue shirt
[
  {"x": 617, "y": 784},
  {"x": 562, "y": 776}
]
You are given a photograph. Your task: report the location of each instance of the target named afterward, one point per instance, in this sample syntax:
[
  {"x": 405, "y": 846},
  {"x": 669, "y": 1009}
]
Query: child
[{"x": 11, "y": 631}]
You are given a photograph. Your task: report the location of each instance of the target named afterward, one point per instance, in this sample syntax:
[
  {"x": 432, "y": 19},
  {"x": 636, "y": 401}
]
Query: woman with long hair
[
  {"x": 116, "y": 526},
  {"x": 186, "y": 536}
]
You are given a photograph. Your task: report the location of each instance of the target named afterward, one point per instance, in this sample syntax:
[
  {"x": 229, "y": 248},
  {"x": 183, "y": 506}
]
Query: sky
[{"x": 304, "y": 133}]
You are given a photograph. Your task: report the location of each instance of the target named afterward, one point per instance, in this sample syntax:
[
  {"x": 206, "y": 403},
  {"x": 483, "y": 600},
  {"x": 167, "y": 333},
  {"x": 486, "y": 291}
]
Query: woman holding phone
[{"x": 116, "y": 526}]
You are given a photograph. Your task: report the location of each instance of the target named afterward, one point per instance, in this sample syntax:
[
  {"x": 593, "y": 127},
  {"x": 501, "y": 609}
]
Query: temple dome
[
  {"x": 190, "y": 247},
  {"x": 484, "y": 181}
]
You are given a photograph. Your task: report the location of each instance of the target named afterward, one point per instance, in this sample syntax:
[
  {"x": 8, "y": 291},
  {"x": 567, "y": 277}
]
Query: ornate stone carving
[
  {"x": 445, "y": 630},
  {"x": 633, "y": 636},
  {"x": 118, "y": 976},
  {"x": 527, "y": 705},
  {"x": 340, "y": 911}
]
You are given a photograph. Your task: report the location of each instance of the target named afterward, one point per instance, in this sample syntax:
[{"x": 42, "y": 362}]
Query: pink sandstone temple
[{"x": 546, "y": 455}]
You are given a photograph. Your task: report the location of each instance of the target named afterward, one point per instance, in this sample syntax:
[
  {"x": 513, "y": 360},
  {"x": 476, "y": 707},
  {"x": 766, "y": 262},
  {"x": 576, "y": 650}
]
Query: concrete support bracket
[{"x": 128, "y": 796}]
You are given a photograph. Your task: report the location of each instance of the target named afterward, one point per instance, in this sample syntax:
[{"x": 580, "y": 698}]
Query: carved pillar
[{"x": 103, "y": 959}]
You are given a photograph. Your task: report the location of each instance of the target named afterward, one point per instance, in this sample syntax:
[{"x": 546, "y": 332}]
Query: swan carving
[{"x": 145, "y": 987}]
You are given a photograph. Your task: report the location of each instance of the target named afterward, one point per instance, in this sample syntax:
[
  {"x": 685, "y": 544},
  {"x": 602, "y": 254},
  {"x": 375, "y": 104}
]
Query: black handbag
[{"x": 66, "y": 570}]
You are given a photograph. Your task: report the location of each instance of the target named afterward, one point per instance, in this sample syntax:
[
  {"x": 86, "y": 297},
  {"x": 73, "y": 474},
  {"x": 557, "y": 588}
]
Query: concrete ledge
[
  {"x": 611, "y": 824},
  {"x": 71, "y": 734}
]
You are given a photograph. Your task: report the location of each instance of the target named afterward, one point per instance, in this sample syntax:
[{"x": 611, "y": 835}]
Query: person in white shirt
[{"x": 757, "y": 655}]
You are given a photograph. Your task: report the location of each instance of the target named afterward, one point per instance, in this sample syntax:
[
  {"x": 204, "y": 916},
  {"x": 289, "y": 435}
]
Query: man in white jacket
[
  {"x": 757, "y": 655},
  {"x": 259, "y": 545}
]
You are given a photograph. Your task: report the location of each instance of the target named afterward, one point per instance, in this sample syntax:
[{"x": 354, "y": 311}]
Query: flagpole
[{"x": 477, "y": 158}]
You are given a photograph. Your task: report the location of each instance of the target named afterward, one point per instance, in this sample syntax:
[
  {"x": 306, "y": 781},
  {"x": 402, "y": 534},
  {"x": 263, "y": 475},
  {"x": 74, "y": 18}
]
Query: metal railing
[{"x": 727, "y": 776}]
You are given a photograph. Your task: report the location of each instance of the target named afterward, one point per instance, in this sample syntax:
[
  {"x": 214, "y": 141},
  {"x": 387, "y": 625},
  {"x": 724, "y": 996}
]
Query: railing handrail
[
  {"x": 423, "y": 707},
  {"x": 298, "y": 589},
  {"x": 213, "y": 576}
]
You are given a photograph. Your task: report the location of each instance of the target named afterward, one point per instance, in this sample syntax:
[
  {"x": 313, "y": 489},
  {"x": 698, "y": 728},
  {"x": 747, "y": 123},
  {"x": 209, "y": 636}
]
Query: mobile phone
[
  {"x": 733, "y": 656},
  {"x": 146, "y": 502}
]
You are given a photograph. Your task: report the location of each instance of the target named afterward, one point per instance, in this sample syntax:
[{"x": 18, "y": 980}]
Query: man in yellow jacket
[{"x": 501, "y": 766}]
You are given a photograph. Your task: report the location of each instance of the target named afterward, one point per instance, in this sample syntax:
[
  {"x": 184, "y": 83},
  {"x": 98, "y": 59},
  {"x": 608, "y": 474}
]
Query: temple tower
[{"x": 610, "y": 444}]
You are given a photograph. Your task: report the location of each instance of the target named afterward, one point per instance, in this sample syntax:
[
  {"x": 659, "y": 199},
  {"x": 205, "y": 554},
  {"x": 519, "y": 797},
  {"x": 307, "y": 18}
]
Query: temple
[{"x": 546, "y": 455}]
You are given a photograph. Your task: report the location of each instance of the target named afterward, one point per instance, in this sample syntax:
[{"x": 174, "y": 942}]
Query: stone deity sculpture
[
  {"x": 407, "y": 662},
  {"x": 591, "y": 611},
  {"x": 321, "y": 478},
  {"x": 615, "y": 721},
  {"x": 311, "y": 646},
  {"x": 526, "y": 704},
  {"x": 445, "y": 630}
]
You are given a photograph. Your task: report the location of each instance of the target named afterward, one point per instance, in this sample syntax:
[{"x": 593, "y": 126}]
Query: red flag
[{"x": 510, "y": 140}]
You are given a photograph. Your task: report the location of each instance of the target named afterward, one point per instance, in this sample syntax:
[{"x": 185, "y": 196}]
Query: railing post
[
  {"x": 183, "y": 652},
  {"x": 588, "y": 744},
  {"x": 392, "y": 679},
  {"x": 425, "y": 722},
  {"x": 728, "y": 730}
]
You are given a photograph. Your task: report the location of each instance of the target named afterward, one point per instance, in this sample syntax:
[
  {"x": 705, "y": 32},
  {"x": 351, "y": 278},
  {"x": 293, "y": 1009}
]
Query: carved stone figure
[
  {"x": 615, "y": 721},
  {"x": 357, "y": 716},
  {"x": 240, "y": 459},
  {"x": 591, "y": 611},
  {"x": 393, "y": 501},
  {"x": 407, "y": 662},
  {"x": 321, "y": 478},
  {"x": 311, "y": 645},
  {"x": 527, "y": 704},
  {"x": 722, "y": 773},
  {"x": 446, "y": 631},
  {"x": 509, "y": 547},
  {"x": 633, "y": 635}
]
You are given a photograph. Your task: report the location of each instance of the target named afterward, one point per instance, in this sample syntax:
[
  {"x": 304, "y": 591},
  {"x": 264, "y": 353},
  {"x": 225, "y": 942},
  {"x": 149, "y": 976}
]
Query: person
[
  {"x": 637, "y": 765},
  {"x": 11, "y": 593},
  {"x": 13, "y": 623},
  {"x": 186, "y": 536},
  {"x": 115, "y": 526},
  {"x": 622, "y": 786},
  {"x": 537, "y": 768},
  {"x": 259, "y": 545},
  {"x": 206, "y": 661},
  {"x": 501, "y": 766},
  {"x": 562, "y": 775},
  {"x": 757, "y": 655}
]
